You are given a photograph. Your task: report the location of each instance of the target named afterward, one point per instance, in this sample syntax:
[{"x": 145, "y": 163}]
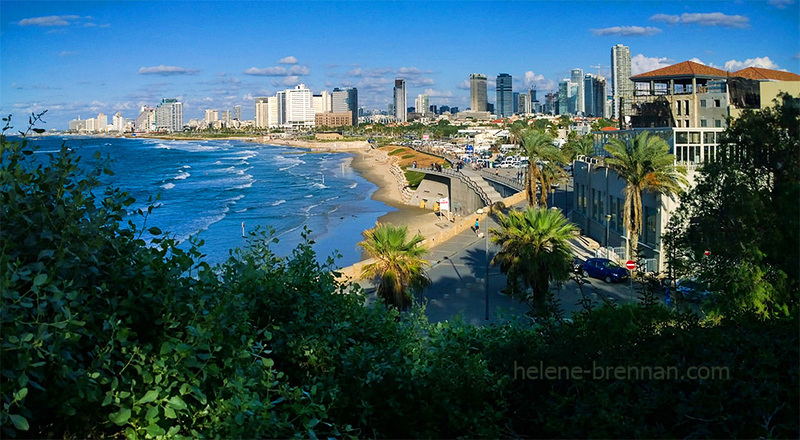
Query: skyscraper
[
  {"x": 505, "y": 96},
  {"x": 346, "y": 100},
  {"x": 400, "y": 111},
  {"x": 621, "y": 79},
  {"x": 477, "y": 92},
  {"x": 422, "y": 104},
  {"x": 237, "y": 112},
  {"x": 576, "y": 78}
]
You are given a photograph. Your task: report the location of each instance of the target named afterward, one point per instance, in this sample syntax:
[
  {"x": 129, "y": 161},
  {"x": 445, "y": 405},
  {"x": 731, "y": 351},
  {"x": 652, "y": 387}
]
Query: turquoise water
[{"x": 212, "y": 188}]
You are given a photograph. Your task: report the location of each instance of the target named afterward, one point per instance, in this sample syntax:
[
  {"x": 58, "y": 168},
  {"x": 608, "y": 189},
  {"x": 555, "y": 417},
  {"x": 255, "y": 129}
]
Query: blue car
[{"x": 604, "y": 269}]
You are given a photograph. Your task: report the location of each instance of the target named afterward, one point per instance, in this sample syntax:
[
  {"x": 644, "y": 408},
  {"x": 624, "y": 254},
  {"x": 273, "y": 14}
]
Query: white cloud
[
  {"x": 538, "y": 82},
  {"x": 463, "y": 85},
  {"x": 765, "y": 63},
  {"x": 50, "y": 20},
  {"x": 781, "y": 4},
  {"x": 288, "y": 60},
  {"x": 369, "y": 73},
  {"x": 627, "y": 31},
  {"x": 642, "y": 64},
  {"x": 67, "y": 53},
  {"x": 268, "y": 71},
  {"x": 421, "y": 81},
  {"x": 289, "y": 81},
  {"x": 166, "y": 70},
  {"x": 409, "y": 71},
  {"x": 299, "y": 70},
  {"x": 438, "y": 93},
  {"x": 666, "y": 18},
  {"x": 705, "y": 19}
]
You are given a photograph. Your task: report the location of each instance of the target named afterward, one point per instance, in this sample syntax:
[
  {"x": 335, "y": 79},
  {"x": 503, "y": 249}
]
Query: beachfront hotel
[{"x": 687, "y": 104}]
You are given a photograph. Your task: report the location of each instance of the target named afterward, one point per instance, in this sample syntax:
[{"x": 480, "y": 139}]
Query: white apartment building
[
  {"x": 211, "y": 116},
  {"x": 290, "y": 108},
  {"x": 421, "y": 104},
  {"x": 322, "y": 103},
  {"x": 169, "y": 115}
]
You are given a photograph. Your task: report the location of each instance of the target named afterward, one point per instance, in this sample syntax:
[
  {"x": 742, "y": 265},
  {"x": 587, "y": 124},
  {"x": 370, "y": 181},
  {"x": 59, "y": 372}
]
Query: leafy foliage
[
  {"x": 104, "y": 335},
  {"x": 744, "y": 210},
  {"x": 398, "y": 263},
  {"x": 535, "y": 250}
]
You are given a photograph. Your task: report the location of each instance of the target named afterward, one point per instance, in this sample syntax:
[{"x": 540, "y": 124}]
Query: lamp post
[
  {"x": 608, "y": 219},
  {"x": 486, "y": 254}
]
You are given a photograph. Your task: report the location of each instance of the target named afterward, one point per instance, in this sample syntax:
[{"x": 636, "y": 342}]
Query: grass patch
[
  {"x": 414, "y": 178},
  {"x": 397, "y": 151},
  {"x": 409, "y": 156}
]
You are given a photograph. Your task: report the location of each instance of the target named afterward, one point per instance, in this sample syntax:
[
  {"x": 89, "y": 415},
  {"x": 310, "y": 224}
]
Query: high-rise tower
[
  {"x": 621, "y": 79},
  {"x": 400, "y": 109},
  {"x": 576, "y": 77},
  {"x": 344, "y": 100},
  {"x": 477, "y": 92},
  {"x": 505, "y": 96}
]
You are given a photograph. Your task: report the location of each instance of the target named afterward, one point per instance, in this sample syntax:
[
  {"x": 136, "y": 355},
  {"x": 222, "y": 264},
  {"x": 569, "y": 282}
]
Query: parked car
[
  {"x": 604, "y": 269},
  {"x": 691, "y": 289}
]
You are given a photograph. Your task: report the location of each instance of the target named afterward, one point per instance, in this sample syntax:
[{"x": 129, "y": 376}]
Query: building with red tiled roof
[
  {"x": 691, "y": 94},
  {"x": 686, "y": 69},
  {"x": 759, "y": 73}
]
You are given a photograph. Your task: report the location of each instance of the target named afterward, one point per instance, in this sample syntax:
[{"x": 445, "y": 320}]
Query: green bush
[{"x": 105, "y": 335}]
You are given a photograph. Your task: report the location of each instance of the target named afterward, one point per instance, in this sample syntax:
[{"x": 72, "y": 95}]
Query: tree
[
  {"x": 579, "y": 146},
  {"x": 398, "y": 265},
  {"x": 535, "y": 250},
  {"x": 541, "y": 152},
  {"x": 744, "y": 210},
  {"x": 645, "y": 164}
]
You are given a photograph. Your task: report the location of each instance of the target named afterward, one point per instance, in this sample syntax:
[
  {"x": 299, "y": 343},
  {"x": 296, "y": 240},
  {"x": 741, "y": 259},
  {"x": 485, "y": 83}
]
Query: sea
[{"x": 221, "y": 190}]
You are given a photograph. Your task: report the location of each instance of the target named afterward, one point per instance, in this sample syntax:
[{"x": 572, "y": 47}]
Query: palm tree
[
  {"x": 580, "y": 146},
  {"x": 539, "y": 147},
  {"x": 398, "y": 263},
  {"x": 535, "y": 250},
  {"x": 645, "y": 164}
]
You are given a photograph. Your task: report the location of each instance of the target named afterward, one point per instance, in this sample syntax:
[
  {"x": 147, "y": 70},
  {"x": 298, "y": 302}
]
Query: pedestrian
[{"x": 477, "y": 227}]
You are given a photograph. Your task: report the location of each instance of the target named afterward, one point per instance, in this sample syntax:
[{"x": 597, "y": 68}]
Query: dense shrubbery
[{"x": 104, "y": 334}]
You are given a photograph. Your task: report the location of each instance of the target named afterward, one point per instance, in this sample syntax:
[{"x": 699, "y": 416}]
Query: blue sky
[{"x": 82, "y": 58}]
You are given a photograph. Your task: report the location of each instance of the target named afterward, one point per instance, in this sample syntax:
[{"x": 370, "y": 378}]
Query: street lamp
[
  {"x": 486, "y": 254},
  {"x": 608, "y": 219}
]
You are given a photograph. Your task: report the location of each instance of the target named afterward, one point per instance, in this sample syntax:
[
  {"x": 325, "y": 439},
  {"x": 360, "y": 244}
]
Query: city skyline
[{"x": 80, "y": 59}]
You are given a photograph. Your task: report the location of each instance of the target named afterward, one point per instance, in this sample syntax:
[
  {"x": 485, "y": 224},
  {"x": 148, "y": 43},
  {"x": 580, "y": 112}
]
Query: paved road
[{"x": 458, "y": 274}]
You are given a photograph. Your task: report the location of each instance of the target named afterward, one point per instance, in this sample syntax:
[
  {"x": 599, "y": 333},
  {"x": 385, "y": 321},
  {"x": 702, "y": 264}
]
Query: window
[
  {"x": 678, "y": 107},
  {"x": 703, "y": 123},
  {"x": 620, "y": 217},
  {"x": 717, "y": 123},
  {"x": 593, "y": 213},
  {"x": 703, "y": 103},
  {"x": 678, "y": 122},
  {"x": 650, "y": 217},
  {"x": 709, "y": 137},
  {"x": 686, "y": 107},
  {"x": 717, "y": 103},
  {"x": 681, "y": 137},
  {"x": 694, "y": 137}
]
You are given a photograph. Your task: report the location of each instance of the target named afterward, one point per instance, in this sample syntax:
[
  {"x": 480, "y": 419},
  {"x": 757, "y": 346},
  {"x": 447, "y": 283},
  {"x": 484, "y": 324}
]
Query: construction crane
[{"x": 598, "y": 69}]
